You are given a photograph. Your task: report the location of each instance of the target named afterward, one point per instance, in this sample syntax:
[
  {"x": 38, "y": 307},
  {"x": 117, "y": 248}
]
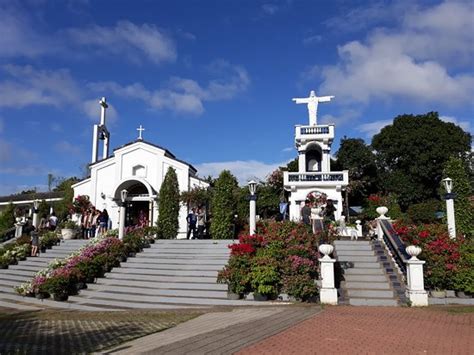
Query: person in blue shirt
[{"x": 192, "y": 220}]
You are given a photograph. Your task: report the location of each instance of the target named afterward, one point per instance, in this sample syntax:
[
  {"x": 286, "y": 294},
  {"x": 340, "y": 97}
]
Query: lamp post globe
[
  {"x": 448, "y": 185},
  {"x": 252, "y": 187}
]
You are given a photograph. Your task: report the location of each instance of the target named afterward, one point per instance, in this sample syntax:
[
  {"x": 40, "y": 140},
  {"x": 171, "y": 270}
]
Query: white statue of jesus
[{"x": 312, "y": 102}]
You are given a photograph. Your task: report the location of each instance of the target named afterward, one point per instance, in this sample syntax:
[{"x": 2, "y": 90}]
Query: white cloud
[
  {"x": 182, "y": 95},
  {"x": 243, "y": 170},
  {"x": 92, "y": 110},
  {"x": 128, "y": 39},
  {"x": 288, "y": 149},
  {"x": 465, "y": 125},
  {"x": 29, "y": 86},
  {"x": 372, "y": 128},
  {"x": 5, "y": 151},
  {"x": 68, "y": 148},
  {"x": 270, "y": 9},
  {"x": 312, "y": 40},
  {"x": 413, "y": 61}
]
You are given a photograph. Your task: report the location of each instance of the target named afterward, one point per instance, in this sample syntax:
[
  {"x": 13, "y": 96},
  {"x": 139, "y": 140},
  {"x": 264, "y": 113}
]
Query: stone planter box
[
  {"x": 438, "y": 293},
  {"x": 67, "y": 234}
]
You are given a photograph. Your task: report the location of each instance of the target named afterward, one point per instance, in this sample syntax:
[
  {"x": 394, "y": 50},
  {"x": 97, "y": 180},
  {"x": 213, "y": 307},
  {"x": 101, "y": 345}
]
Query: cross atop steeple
[{"x": 140, "y": 130}]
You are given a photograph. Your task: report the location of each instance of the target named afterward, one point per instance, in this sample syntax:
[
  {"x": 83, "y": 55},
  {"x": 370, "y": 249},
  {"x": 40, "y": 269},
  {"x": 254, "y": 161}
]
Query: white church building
[
  {"x": 139, "y": 168},
  {"x": 314, "y": 176}
]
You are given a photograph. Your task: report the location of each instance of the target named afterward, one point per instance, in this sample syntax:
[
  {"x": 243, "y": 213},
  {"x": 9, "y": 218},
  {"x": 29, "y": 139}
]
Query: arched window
[{"x": 313, "y": 158}]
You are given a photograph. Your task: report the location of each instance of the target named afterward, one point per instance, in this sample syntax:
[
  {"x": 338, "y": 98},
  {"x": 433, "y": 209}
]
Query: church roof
[
  {"x": 32, "y": 196},
  {"x": 167, "y": 153}
]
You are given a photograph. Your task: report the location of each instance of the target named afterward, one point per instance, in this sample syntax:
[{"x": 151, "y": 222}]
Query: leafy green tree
[
  {"x": 168, "y": 210},
  {"x": 411, "y": 154},
  {"x": 65, "y": 186},
  {"x": 357, "y": 157},
  {"x": 198, "y": 196},
  {"x": 223, "y": 206},
  {"x": 292, "y": 166},
  {"x": 43, "y": 208},
  {"x": 457, "y": 170},
  {"x": 7, "y": 217}
]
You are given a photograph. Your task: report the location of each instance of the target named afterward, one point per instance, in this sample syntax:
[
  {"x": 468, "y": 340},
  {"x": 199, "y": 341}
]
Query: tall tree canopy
[
  {"x": 357, "y": 157},
  {"x": 168, "y": 207},
  {"x": 223, "y": 206},
  {"x": 412, "y": 151}
]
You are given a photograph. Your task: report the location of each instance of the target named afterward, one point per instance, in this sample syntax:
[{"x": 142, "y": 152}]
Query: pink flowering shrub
[{"x": 281, "y": 257}]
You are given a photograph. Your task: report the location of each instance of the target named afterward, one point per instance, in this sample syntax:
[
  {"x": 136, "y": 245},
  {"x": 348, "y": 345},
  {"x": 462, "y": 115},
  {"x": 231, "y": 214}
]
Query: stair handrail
[{"x": 392, "y": 240}]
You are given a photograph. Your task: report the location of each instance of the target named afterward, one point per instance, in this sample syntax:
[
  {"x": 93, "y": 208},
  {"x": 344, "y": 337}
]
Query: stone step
[
  {"x": 139, "y": 260},
  {"x": 364, "y": 259},
  {"x": 195, "y": 273},
  {"x": 21, "y": 307},
  {"x": 372, "y": 302},
  {"x": 191, "y": 245},
  {"x": 195, "y": 241},
  {"x": 360, "y": 271},
  {"x": 373, "y": 265},
  {"x": 22, "y": 266},
  {"x": 186, "y": 251},
  {"x": 14, "y": 272},
  {"x": 370, "y": 294},
  {"x": 354, "y": 253},
  {"x": 364, "y": 285},
  {"x": 7, "y": 289},
  {"x": 355, "y": 246},
  {"x": 170, "y": 266},
  {"x": 153, "y": 292},
  {"x": 169, "y": 300},
  {"x": 125, "y": 304},
  {"x": 46, "y": 302},
  {"x": 33, "y": 261},
  {"x": 351, "y": 242},
  {"x": 11, "y": 283},
  {"x": 194, "y": 255},
  {"x": 160, "y": 278},
  {"x": 193, "y": 258},
  {"x": 365, "y": 278},
  {"x": 19, "y": 278},
  {"x": 162, "y": 285}
]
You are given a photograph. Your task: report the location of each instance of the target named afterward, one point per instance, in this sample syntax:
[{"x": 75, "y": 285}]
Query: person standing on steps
[
  {"x": 201, "y": 223},
  {"x": 192, "y": 220},
  {"x": 306, "y": 213}
]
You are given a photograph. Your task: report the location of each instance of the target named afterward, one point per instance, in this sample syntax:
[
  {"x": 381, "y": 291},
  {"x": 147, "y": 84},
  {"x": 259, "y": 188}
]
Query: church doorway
[
  {"x": 137, "y": 213},
  {"x": 139, "y": 202}
]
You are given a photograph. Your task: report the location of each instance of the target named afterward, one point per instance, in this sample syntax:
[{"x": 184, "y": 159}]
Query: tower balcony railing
[
  {"x": 333, "y": 178},
  {"x": 314, "y": 132}
]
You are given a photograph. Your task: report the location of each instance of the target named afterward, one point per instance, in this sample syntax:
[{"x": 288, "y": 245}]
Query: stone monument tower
[{"x": 314, "y": 179}]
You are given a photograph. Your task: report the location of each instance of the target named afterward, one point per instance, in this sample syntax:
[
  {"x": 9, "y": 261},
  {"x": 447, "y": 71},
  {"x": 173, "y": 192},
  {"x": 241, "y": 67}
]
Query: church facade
[
  {"x": 314, "y": 177},
  {"x": 139, "y": 168}
]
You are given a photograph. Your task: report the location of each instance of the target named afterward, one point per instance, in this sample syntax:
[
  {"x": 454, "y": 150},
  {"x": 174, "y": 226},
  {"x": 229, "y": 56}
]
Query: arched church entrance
[{"x": 138, "y": 203}]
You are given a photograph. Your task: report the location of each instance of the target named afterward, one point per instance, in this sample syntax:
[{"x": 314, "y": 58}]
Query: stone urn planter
[
  {"x": 61, "y": 297},
  {"x": 438, "y": 293},
  {"x": 67, "y": 233}
]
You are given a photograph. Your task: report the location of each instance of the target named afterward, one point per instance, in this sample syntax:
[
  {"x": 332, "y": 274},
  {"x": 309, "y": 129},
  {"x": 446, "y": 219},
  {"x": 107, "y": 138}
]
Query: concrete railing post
[
  {"x": 327, "y": 293},
  {"x": 382, "y": 210},
  {"x": 415, "y": 283}
]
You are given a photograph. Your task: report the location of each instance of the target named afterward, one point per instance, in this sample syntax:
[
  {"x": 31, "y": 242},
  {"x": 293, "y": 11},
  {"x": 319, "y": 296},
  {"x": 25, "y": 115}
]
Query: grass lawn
[{"x": 62, "y": 332}]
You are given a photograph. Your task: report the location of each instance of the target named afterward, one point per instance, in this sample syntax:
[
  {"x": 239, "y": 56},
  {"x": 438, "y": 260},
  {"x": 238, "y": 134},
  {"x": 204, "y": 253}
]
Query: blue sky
[{"x": 212, "y": 81}]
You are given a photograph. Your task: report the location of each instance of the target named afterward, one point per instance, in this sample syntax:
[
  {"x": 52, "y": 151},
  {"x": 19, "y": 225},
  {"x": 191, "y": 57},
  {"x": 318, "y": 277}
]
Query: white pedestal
[
  {"x": 415, "y": 284},
  {"x": 327, "y": 293}
]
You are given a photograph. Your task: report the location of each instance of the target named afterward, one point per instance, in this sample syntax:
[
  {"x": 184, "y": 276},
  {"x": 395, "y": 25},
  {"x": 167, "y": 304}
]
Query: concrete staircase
[
  {"x": 365, "y": 280},
  {"x": 25, "y": 270},
  {"x": 170, "y": 274}
]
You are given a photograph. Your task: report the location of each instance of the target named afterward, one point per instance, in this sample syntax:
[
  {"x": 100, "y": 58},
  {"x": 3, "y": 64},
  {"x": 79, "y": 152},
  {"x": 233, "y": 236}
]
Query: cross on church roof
[{"x": 140, "y": 130}]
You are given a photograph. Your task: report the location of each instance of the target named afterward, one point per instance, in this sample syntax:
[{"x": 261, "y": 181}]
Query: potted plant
[
  {"x": 236, "y": 276},
  {"x": 68, "y": 230},
  {"x": 265, "y": 278}
]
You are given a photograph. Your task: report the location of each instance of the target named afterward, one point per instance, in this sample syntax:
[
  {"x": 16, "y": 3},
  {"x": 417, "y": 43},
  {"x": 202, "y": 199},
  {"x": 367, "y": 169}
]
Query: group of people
[
  {"x": 196, "y": 218},
  {"x": 327, "y": 212},
  {"x": 48, "y": 222},
  {"x": 94, "y": 222}
]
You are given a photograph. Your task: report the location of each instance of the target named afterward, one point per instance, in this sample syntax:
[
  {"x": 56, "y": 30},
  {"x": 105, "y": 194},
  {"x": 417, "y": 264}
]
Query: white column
[
  {"x": 325, "y": 161},
  {"x": 35, "y": 218},
  {"x": 122, "y": 221},
  {"x": 95, "y": 143},
  {"x": 19, "y": 227},
  {"x": 359, "y": 228},
  {"x": 415, "y": 283},
  {"x": 327, "y": 293},
  {"x": 105, "y": 151},
  {"x": 253, "y": 215},
  {"x": 451, "y": 218},
  {"x": 302, "y": 161}
]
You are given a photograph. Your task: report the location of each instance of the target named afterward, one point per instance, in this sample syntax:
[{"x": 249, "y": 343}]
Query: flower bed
[
  {"x": 449, "y": 262},
  {"x": 65, "y": 277},
  {"x": 282, "y": 257},
  {"x": 12, "y": 253}
]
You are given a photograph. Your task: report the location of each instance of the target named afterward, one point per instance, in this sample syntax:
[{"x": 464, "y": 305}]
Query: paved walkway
[
  {"x": 220, "y": 332},
  {"x": 375, "y": 330}
]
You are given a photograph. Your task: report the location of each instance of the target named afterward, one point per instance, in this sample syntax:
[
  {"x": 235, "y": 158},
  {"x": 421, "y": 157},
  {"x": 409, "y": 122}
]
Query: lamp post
[
  {"x": 449, "y": 197},
  {"x": 123, "y": 198},
  {"x": 253, "y": 207},
  {"x": 35, "y": 213}
]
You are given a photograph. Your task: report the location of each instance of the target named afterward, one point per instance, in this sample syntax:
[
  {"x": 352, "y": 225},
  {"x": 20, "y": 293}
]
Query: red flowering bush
[
  {"x": 441, "y": 253},
  {"x": 80, "y": 204},
  {"x": 282, "y": 256}
]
